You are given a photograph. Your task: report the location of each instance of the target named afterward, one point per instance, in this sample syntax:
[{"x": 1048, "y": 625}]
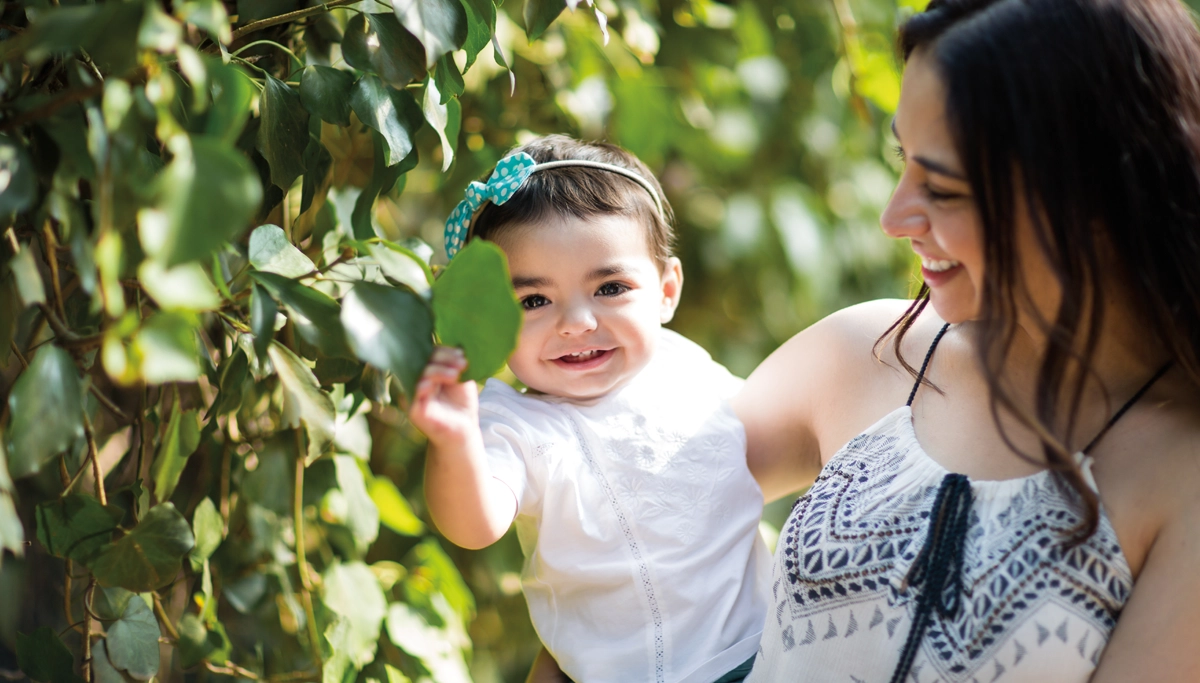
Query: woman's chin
[{"x": 953, "y": 308}]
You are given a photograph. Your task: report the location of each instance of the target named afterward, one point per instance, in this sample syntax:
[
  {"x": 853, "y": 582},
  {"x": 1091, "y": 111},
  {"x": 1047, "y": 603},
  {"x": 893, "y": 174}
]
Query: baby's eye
[
  {"x": 612, "y": 289},
  {"x": 534, "y": 301}
]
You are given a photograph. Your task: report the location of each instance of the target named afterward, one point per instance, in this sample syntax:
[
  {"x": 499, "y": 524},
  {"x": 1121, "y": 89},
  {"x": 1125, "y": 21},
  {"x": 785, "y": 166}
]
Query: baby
[{"x": 622, "y": 465}]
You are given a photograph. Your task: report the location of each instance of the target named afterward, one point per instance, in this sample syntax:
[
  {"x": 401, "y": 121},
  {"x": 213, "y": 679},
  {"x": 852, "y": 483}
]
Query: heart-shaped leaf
[
  {"x": 76, "y": 526},
  {"x": 475, "y": 308},
  {"x": 389, "y": 328},
  {"x": 325, "y": 92},
  {"x": 44, "y": 658},
  {"x": 149, "y": 556},
  {"x": 132, "y": 642},
  {"x": 283, "y": 134},
  {"x": 46, "y": 406}
]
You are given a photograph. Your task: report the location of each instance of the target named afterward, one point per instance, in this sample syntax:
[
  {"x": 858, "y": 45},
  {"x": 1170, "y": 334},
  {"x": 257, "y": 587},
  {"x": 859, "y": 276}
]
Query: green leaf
[
  {"x": 76, "y": 527},
  {"x": 314, "y": 313},
  {"x": 262, "y": 319},
  {"x": 390, "y": 329},
  {"x": 184, "y": 287},
  {"x": 178, "y": 444},
  {"x": 29, "y": 281},
  {"x": 109, "y": 604},
  {"x": 232, "y": 93},
  {"x": 325, "y": 92},
  {"x": 283, "y": 134},
  {"x": 394, "y": 114},
  {"x": 381, "y": 180},
  {"x": 440, "y": 25},
  {"x": 209, "y": 15},
  {"x": 444, "y": 118},
  {"x": 206, "y": 197},
  {"x": 107, "y": 31},
  {"x": 19, "y": 186},
  {"x": 400, "y": 264},
  {"x": 166, "y": 347},
  {"x": 104, "y": 670},
  {"x": 449, "y": 81},
  {"x": 475, "y": 308},
  {"x": 149, "y": 556},
  {"x": 352, "y": 591},
  {"x": 270, "y": 483},
  {"x": 539, "y": 14},
  {"x": 206, "y": 528},
  {"x": 362, "y": 517},
  {"x": 231, "y": 376},
  {"x": 481, "y": 24},
  {"x": 436, "y": 566},
  {"x": 378, "y": 44},
  {"x": 271, "y": 252},
  {"x": 394, "y": 511},
  {"x": 317, "y": 164},
  {"x": 43, "y": 657},
  {"x": 197, "y": 643},
  {"x": 304, "y": 402},
  {"x": 132, "y": 641},
  {"x": 46, "y": 406}
]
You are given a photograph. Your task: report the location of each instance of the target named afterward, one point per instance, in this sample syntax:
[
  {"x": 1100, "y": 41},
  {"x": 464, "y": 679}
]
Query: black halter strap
[
  {"x": 1129, "y": 404},
  {"x": 925, "y": 363}
]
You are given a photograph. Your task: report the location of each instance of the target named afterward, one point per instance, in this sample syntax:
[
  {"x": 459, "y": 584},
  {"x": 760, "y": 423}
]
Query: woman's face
[{"x": 932, "y": 205}]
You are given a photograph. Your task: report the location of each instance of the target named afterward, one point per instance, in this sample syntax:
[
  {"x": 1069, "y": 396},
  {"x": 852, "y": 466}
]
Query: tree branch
[
  {"x": 51, "y": 107},
  {"x": 285, "y": 18}
]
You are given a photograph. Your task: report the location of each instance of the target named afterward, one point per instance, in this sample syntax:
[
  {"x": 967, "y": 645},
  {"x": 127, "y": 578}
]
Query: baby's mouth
[{"x": 583, "y": 356}]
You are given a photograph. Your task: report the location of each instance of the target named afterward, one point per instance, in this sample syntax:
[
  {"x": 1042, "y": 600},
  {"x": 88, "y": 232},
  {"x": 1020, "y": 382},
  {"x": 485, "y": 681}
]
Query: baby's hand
[{"x": 445, "y": 409}]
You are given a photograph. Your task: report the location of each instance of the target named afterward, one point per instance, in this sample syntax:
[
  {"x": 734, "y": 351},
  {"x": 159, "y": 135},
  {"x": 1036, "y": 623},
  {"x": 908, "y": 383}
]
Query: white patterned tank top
[{"x": 1024, "y": 607}]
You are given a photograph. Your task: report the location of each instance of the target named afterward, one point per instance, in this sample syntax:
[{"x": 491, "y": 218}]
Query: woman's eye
[
  {"x": 534, "y": 301},
  {"x": 612, "y": 289},
  {"x": 937, "y": 195}
]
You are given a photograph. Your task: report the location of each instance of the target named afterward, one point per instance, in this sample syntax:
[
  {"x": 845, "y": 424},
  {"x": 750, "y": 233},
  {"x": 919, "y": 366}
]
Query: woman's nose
[
  {"x": 577, "y": 318},
  {"x": 906, "y": 212}
]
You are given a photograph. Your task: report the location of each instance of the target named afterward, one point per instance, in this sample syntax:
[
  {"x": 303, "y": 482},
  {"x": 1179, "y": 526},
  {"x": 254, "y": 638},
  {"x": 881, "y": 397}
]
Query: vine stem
[
  {"x": 88, "y": 668},
  {"x": 283, "y": 19},
  {"x": 94, "y": 456},
  {"x": 163, "y": 619},
  {"x": 52, "y": 261},
  {"x": 301, "y": 560}
]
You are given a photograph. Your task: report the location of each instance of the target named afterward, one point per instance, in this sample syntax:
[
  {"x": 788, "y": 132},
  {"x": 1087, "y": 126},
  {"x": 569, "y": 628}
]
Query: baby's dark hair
[{"x": 581, "y": 192}]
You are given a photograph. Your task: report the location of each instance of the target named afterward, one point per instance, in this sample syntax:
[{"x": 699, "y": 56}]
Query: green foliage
[{"x": 216, "y": 290}]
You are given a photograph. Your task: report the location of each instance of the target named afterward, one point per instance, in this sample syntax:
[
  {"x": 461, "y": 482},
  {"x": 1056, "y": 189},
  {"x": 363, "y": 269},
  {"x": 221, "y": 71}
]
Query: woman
[{"x": 1052, "y": 192}]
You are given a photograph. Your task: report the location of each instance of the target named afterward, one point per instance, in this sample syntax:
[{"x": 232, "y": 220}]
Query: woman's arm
[
  {"x": 814, "y": 393},
  {"x": 1156, "y": 636}
]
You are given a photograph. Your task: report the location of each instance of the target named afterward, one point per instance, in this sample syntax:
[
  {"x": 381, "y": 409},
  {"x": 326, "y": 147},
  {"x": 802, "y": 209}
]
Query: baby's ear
[{"x": 672, "y": 288}]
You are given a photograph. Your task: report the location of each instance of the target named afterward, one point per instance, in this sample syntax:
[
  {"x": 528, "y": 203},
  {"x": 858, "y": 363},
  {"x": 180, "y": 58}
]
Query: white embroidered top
[
  {"x": 1031, "y": 610},
  {"x": 639, "y": 521}
]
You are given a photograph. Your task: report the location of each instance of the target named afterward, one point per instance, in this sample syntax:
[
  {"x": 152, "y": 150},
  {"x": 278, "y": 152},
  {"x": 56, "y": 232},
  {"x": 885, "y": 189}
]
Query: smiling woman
[{"x": 1022, "y": 505}]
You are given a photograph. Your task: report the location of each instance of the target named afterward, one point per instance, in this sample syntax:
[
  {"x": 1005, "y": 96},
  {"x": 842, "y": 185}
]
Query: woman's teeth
[{"x": 937, "y": 265}]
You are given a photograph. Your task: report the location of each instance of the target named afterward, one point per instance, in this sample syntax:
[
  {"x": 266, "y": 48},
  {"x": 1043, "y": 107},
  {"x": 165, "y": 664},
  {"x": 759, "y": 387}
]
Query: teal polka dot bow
[{"x": 510, "y": 174}]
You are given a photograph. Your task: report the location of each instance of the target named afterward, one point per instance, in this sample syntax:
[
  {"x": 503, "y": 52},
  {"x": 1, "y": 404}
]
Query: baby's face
[{"x": 594, "y": 299}]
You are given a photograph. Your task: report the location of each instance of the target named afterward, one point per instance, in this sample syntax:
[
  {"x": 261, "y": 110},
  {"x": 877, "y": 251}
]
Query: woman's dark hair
[
  {"x": 581, "y": 192},
  {"x": 1087, "y": 113}
]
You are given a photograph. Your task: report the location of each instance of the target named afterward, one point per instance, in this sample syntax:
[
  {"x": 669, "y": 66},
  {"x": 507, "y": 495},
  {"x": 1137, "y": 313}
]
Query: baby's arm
[{"x": 470, "y": 507}]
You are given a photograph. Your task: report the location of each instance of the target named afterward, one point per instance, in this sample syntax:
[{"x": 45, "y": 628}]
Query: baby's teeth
[{"x": 938, "y": 265}]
